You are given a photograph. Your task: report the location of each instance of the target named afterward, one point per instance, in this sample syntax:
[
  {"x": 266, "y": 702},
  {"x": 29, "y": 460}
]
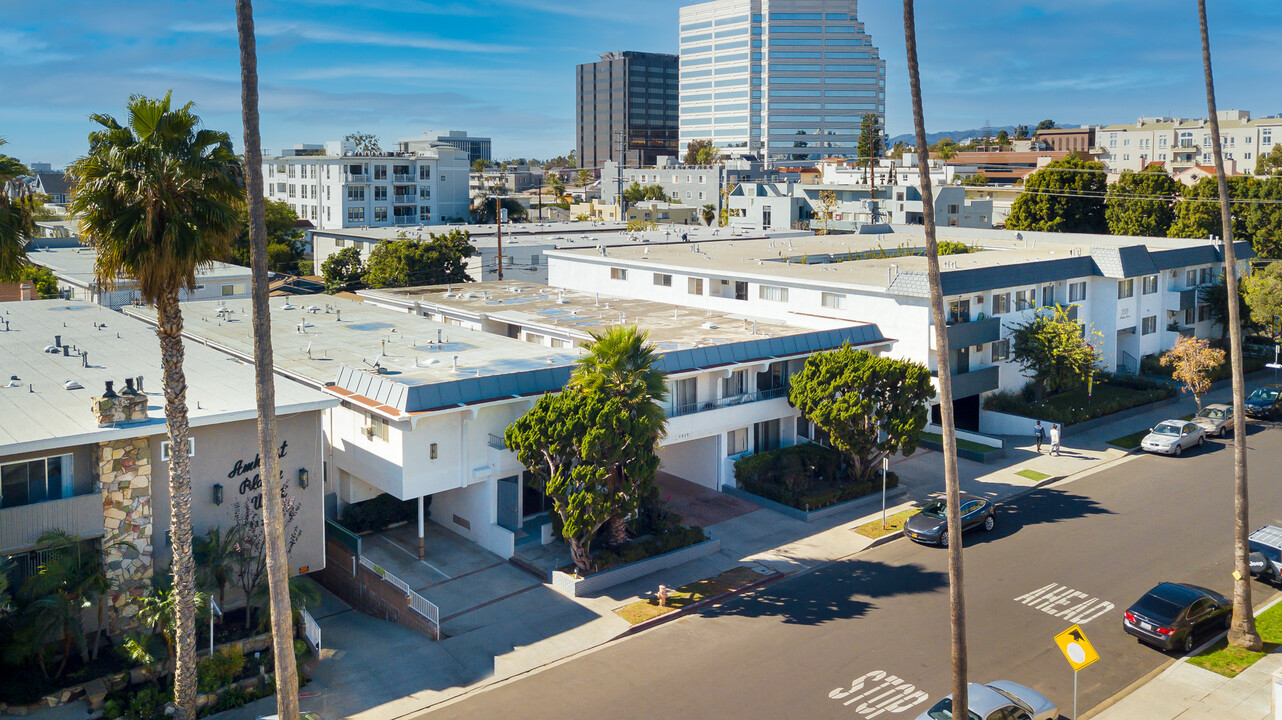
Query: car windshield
[
  {"x": 943, "y": 710},
  {"x": 1212, "y": 413},
  {"x": 934, "y": 510},
  {"x": 1166, "y": 429},
  {"x": 1264, "y": 394},
  {"x": 1156, "y": 608}
]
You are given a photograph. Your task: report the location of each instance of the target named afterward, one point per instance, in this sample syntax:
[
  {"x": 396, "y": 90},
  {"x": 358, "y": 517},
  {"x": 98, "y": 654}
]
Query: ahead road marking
[
  {"x": 895, "y": 696},
  {"x": 1055, "y": 599}
]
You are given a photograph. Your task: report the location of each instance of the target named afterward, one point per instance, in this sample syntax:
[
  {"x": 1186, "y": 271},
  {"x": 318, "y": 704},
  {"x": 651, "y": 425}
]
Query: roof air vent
[
  {"x": 13, "y": 381},
  {"x": 72, "y": 385}
]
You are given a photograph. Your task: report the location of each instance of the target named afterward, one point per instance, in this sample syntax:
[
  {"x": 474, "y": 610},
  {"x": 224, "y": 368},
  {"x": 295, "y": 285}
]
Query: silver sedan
[
  {"x": 1172, "y": 437},
  {"x": 1215, "y": 420}
]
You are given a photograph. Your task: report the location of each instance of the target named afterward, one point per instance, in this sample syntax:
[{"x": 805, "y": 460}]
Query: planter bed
[
  {"x": 970, "y": 450},
  {"x": 872, "y": 500},
  {"x": 582, "y": 586}
]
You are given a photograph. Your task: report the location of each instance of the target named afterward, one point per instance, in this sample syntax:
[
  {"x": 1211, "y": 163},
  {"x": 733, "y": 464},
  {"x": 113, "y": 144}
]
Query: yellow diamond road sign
[{"x": 1073, "y": 643}]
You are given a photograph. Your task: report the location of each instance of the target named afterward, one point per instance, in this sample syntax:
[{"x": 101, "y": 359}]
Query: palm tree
[
  {"x": 17, "y": 221},
  {"x": 264, "y": 369},
  {"x": 158, "y": 197},
  {"x": 302, "y": 593},
  {"x": 956, "y": 596},
  {"x": 216, "y": 557},
  {"x": 1242, "y": 632},
  {"x": 68, "y": 569}
]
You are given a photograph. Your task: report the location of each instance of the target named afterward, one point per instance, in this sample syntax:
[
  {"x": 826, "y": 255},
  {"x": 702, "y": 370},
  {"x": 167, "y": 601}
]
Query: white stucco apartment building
[
  {"x": 1181, "y": 143},
  {"x": 332, "y": 186},
  {"x": 73, "y": 266}
]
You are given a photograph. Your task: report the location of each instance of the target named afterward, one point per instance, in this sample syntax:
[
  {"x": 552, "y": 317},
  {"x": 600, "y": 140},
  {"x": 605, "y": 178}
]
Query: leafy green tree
[
  {"x": 344, "y": 270},
  {"x": 945, "y": 149},
  {"x": 158, "y": 196},
  {"x": 438, "y": 260},
  {"x": 1021, "y": 132},
  {"x": 954, "y": 247},
  {"x": 366, "y": 143},
  {"x": 480, "y": 164},
  {"x": 1263, "y": 219},
  {"x": 1065, "y": 196},
  {"x": 709, "y": 214},
  {"x": 17, "y": 217},
  {"x": 1197, "y": 215},
  {"x": 45, "y": 281},
  {"x": 1003, "y": 138},
  {"x": 592, "y": 446},
  {"x": 1148, "y": 217},
  {"x": 1053, "y": 351},
  {"x": 284, "y": 239},
  {"x": 483, "y": 212},
  {"x": 871, "y": 407},
  {"x": 1216, "y": 295},
  {"x": 979, "y": 179},
  {"x": 701, "y": 152},
  {"x": 636, "y": 193},
  {"x": 1270, "y": 163},
  {"x": 1046, "y": 125},
  {"x": 1262, "y": 292}
]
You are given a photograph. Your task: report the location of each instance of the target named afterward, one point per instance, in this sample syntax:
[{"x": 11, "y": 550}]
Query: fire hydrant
[{"x": 662, "y": 595}]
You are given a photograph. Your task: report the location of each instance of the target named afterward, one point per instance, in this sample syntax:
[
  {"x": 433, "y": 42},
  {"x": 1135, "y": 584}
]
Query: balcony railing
[
  {"x": 406, "y": 199},
  {"x": 355, "y": 177},
  {"x": 496, "y": 442},
  {"x": 974, "y": 333},
  {"x": 403, "y": 177},
  {"x": 23, "y": 525},
  {"x": 730, "y": 401}
]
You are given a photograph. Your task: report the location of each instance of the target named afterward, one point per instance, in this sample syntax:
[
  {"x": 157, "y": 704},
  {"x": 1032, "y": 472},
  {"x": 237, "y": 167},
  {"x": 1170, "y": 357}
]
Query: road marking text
[
  {"x": 1064, "y": 602},
  {"x": 893, "y": 694}
]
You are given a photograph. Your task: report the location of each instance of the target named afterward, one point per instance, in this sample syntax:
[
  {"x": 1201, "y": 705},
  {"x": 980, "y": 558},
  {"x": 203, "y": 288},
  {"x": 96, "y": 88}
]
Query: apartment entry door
[
  {"x": 509, "y": 503},
  {"x": 963, "y": 360}
]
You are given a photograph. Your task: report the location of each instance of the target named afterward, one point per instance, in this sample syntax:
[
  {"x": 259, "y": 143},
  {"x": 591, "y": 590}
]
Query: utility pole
[
  {"x": 622, "y": 137},
  {"x": 498, "y": 221}
]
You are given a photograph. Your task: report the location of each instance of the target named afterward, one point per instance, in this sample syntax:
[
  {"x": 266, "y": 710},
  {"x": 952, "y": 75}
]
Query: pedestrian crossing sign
[{"x": 1076, "y": 648}]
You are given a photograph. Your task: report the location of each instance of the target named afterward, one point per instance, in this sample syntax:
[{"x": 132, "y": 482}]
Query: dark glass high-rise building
[{"x": 628, "y": 96}]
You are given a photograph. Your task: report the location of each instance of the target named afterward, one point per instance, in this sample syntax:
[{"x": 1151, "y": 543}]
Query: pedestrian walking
[
  {"x": 1039, "y": 433},
  {"x": 1055, "y": 439},
  {"x": 685, "y": 237}
]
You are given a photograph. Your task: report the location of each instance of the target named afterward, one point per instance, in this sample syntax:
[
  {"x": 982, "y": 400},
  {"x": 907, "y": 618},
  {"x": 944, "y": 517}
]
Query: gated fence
[
  {"x": 417, "y": 603},
  {"x": 311, "y": 630}
]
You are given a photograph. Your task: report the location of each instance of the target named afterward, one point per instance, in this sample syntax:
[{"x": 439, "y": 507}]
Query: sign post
[
  {"x": 885, "y": 465},
  {"x": 1079, "y": 652}
]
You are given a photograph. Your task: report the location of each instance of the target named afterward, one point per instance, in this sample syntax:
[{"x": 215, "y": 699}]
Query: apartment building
[
  {"x": 477, "y": 148},
  {"x": 690, "y": 184},
  {"x": 885, "y": 171},
  {"x": 1079, "y": 140},
  {"x": 1139, "y": 293},
  {"x": 626, "y": 102},
  {"x": 332, "y": 187},
  {"x": 73, "y": 266},
  {"x": 429, "y": 379},
  {"x": 768, "y": 206},
  {"x": 785, "y": 80},
  {"x": 84, "y": 446},
  {"x": 1182, "y": 143}
]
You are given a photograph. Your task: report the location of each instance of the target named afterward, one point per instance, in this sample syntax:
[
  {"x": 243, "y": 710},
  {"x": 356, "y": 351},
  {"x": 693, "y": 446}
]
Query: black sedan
[
  {"x": 1172, "y": 615},
  {"x": 930, "y": 526},
  {"x": 1265, "y": 402}
]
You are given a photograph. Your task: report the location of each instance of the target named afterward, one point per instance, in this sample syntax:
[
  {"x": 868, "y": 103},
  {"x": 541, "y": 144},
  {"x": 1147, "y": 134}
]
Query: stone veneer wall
[{"x": 124, "y": 472}]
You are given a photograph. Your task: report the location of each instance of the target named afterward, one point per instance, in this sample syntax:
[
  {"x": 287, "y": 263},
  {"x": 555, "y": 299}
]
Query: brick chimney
[{"x": 127, "y": 406}]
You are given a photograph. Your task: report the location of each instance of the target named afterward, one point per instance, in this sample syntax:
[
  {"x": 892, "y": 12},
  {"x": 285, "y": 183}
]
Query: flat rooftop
[
  {"x": 41, "y": 413},
  {"x": 77, "y": 263},
  {"x": 671, "y": 327},
  {"x": 550, "y": 234},
  {"x": 873, "y": 261},
  {"x": 314, "y": 336}
]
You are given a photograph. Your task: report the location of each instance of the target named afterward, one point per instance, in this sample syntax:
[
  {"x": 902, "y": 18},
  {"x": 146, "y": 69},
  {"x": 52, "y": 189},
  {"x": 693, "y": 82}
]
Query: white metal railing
[
  {"x": 418, "y": 603},
  {"x": 311, "y": 630}
]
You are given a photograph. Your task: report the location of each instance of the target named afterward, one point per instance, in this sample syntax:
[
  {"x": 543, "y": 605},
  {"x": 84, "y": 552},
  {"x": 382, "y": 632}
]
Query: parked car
[
  {"x": 998, "y": 700},
  {"x": 930, "y": 525},
  {"x": 1265, "y": 402},
  {"x": 1172, "y": 437},
  {"x": 1173, "y": 615},
  {"x": 1215, "y": 420},
  {"x": 1266, "y": 554}
]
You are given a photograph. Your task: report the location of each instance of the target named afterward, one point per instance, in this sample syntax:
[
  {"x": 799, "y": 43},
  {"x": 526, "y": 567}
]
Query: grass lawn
[
  {"x": 1132, "y": 441},
  {"x": 1032, "y": 475},
  {"x": 894, "y": 524},
  {"x": 962, "y": 443},
  {"x": 642, "y": 610},
  {"x": 1229, "y": 661}
]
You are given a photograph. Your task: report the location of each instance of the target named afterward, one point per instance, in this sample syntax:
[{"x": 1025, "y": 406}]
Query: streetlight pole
[{"x": 498, "y": 225}]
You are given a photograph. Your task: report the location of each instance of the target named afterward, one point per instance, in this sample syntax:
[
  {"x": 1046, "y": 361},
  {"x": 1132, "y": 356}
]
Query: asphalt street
[{"x": 867, "y": 636}]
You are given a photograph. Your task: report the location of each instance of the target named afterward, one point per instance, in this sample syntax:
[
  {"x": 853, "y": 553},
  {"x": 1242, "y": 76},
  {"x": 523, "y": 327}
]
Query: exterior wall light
[
  {"x": 302, "y": 477},
  {"x": 432, "y": 451},
  {"x": 218, "y": 494}
]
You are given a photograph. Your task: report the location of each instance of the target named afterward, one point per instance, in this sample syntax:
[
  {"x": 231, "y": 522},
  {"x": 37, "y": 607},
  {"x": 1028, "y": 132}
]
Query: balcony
[
  {"x": 496, "y": 442},
  {"x": 978, "y": 332},
  {"x": 22, "y": 526},
  {"x": 977, "y": 381},
  {"x": 355, "y": 178},
  {"x": 733, "y": 400},
  {"x": 1188, "y": 298},
  {"x": 410, "y": 199},
  {"x": 403, "y": 177}
]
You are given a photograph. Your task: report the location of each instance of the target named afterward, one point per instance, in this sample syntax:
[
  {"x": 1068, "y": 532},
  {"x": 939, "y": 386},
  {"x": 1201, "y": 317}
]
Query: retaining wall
[
  {"x": 862, "y": 504},
  {"x": 579, "y": 587}
]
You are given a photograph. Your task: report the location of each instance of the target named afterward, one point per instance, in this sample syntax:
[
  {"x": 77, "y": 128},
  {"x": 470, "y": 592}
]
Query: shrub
[
  {"x": 673, "y": 537},
  {"x": 784, "y": 476},
  {"x": 147, "y": 703},
  {"x": 223, "y": 668},
  {"x": 379, "y": 512}
]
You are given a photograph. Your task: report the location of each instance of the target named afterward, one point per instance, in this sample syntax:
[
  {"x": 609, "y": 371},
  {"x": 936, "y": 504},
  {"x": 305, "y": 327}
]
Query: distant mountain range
[{"x": 957, "y": 135}]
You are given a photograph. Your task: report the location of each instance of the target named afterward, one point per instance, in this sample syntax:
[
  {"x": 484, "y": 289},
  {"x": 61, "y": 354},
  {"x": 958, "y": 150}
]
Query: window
[
  {"x": 1077, "y": 291},
  {"x": 1190, "y": 278},
  {"x": 737, "y": 441},
  {"x": 229, "y": 290},
  {"x": 1001, "y": 350},
  {"x": 380, "y": 193},
  {"x": 1125, "y": 289},
  {"x": 1204, "y": 276},
  {"x": 952, "y": 209},
  {"x": 1001, "y": 303},
  {"x": 766, "y": 435},
  {"x": 425, "y": 213},
  {"x": 663, "y": 279},
  {"x": 773, "y": 293},
  {"x": 1190, "y": 316},
  {"x": 735, "y": 385},
  {"x": 1203, "y": 313},
  {"x": 356, "y": 214},
  {"x": 618, "y": 274},
  {"x": 340, "y": 242},
  {"x": 535, "y": 338},
  {"x": 380, "y": 172},
  {"x": 836, "y": 301},
  {"x": 683, "y": 396},
  {"x": 164, "y": 449},
  {"x": 356, "y": 194},
  {"x": 1150, "y": 285},
  {"x": 380, "y": 214},
  {"x": 694, "y": 286},
  {"x": 1025, "y": 299},
  {"x": 1048, "y": 295},
  {"x": 33, "y": 481},
  {"x": 1148, "y": 325}
]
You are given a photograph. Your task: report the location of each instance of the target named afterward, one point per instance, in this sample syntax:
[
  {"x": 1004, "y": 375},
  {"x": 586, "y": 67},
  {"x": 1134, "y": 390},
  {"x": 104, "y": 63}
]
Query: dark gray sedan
[{"x": 930, "y": 526}]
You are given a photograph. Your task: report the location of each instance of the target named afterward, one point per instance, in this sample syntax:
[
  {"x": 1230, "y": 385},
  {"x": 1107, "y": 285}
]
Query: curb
[{"x": 668, "y": 617}]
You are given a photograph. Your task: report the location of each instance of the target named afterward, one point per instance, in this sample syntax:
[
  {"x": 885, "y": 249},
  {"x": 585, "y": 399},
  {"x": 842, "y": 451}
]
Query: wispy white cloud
[{"x": 344, "y": 36}]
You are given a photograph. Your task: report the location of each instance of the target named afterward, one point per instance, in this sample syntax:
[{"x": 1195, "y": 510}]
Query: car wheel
[
  {"x": 1178, "y": 449},
  {"x": 943, "y": 539},
  {"x": 989, "y": 522},
  {"x": 1201, "y": 439},
  {"x": 1228, "y": 620},
  {"x": 1187, "y": 647}
]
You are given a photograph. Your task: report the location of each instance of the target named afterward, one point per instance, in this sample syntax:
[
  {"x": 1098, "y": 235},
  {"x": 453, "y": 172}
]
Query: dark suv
[
  {"x": 1266, "y": 554},
  {"x": 1265, "y": 402}
]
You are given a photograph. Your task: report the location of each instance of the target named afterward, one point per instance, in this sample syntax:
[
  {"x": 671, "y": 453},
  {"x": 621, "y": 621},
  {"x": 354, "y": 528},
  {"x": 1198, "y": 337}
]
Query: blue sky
[{"x": 505, "y": 68}]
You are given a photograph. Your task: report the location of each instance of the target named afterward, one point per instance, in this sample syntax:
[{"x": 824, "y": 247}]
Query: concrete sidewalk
[{"x": 1189, "y": 692}]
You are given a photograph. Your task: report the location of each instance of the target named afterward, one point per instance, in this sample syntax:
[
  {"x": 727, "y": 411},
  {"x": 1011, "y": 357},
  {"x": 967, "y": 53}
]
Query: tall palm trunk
[
  {"x": 169, "y": 327},
  {"x": 264, "y": 387},
  {"x": 1242, "y": 633},
  {"x": 956, "y": 597}
]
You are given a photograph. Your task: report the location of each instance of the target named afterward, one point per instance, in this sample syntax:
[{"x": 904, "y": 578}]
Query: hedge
[{"x": 784, "y": 476}]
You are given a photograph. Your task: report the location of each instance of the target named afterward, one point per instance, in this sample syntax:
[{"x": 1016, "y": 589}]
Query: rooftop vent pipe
[{"x": 13, "y": 381}]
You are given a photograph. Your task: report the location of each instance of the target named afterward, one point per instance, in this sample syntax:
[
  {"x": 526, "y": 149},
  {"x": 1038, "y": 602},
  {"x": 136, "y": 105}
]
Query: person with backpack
[
  {"x": 1039, "y": 434},
  {"x": 1055, "y": 439}
]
